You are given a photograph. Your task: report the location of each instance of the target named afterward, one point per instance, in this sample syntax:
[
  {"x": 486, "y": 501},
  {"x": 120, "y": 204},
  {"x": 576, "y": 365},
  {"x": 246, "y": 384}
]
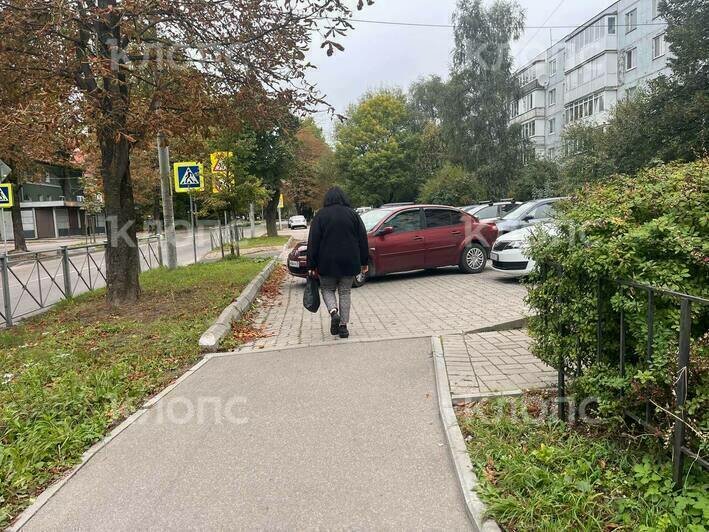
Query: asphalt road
[
  {"x": 342, "y": 437},
  {"x": 44, "y": 285}
]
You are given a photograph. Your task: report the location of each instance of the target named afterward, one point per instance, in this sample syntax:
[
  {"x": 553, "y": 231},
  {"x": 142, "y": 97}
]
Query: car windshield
[
  {"x": 373, "y": 217},
  {"x": 517, "y": 213}
]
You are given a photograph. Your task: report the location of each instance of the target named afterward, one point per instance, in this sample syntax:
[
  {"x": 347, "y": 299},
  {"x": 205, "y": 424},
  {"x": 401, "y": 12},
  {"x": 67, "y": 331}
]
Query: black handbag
[{"x": 311, "y": 295}]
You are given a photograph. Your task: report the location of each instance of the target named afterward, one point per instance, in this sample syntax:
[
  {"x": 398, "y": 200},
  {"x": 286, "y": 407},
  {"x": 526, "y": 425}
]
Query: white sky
[{"x": 378, "y": 56}]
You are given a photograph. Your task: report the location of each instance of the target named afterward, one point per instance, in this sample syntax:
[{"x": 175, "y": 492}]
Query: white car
[
  {"x": 508, "y": 254},
  {"x": 294, "y": 222}
]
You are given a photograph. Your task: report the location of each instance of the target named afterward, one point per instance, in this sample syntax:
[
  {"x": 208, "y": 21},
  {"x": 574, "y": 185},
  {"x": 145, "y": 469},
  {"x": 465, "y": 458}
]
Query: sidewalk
[{"x": 333, "y": 437}]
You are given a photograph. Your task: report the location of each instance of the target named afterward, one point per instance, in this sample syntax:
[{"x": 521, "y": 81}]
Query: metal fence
[
  {"x": 34, "y": 281},
  {"x": 225, "y": 236},
  {"x": 605, "y": 318}
]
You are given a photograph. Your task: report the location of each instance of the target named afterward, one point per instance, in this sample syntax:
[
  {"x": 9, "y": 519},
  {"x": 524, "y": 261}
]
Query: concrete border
[
  {"x": 456, "y": 444},
  {"x": 520, "y": 323},
  {"x": 212, "y": 337}
]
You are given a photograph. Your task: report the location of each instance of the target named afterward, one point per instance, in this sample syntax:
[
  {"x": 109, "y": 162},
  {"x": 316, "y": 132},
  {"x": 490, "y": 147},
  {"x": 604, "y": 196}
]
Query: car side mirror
[
  {"x": 528, "y": 218},
  {"x": 385, "y": 231}
]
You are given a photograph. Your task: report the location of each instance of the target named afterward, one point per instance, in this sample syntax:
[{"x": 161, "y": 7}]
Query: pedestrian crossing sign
[
  {"x": 5, "y": 195},
  {"x": 220, "y": 160},
  {"x": 189, "y": 177}
]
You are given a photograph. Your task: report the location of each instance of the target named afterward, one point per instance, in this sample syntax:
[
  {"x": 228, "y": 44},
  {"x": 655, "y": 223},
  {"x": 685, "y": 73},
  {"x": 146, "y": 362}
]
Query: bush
[
  {"x": 452, "y": 185},
  {"x": 652, "y": 228}
]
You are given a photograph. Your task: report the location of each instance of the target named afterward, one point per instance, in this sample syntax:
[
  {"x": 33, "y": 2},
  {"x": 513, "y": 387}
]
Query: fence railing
[
  {"x": 681, "y": 381},
  {"x": 226, "y": 236},
  {"x": 33, "y": 281}
]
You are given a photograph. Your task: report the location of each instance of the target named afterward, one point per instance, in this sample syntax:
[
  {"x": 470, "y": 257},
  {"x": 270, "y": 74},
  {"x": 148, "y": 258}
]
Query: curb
[
  {"x": 210, "y": 340},
  {"x": 520, "y": 323},
  {"x": 459, "y": 452}
]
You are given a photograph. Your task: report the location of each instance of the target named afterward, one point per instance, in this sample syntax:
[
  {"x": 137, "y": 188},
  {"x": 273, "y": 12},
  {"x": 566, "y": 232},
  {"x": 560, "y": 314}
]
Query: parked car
[
  {"x": 294, "y": 222},
  {"x": 491, "y": 210},
  {"x": 417, "y": 237},
  {"x": 530, "y": 213},
  {"x": 509, "y": 253}
]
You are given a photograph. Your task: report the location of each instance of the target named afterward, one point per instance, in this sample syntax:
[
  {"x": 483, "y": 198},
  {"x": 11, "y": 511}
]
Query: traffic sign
[
  {"x": 189, "y": 177},
  {"x": 220, "y": 168},
  {"x": 5, "y": 170},
  {"x": 220, "y": 161},
  {"x": 5, "y": 195},
  {"x": 281, "y": 203}
]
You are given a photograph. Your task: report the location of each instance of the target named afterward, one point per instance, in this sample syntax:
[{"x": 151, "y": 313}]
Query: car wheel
[{"x": 474, "y": 259}]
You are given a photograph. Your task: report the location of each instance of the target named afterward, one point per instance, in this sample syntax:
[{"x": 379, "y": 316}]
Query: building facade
[
  {"x": 582, "y": 76},
  {"x": 52, "y": 205}
]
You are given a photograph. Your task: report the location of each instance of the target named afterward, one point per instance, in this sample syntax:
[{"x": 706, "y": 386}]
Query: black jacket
[{"x": 337, "y": 245}]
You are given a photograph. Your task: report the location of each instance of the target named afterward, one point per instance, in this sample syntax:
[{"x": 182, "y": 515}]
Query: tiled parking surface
[
  {"x": 443, "y": 303},
  {"x": 412, "y": 304},
  {"x": 493, "y": 362}
]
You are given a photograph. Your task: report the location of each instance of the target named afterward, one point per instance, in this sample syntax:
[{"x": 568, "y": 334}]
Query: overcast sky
[{"x": 379, "y": 56}]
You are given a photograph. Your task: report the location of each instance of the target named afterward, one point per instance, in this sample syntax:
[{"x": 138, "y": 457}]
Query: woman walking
[{"x": 338, "y": 250}]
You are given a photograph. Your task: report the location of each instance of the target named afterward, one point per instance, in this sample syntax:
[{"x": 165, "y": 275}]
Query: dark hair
[{"x": 336, "y": 196}]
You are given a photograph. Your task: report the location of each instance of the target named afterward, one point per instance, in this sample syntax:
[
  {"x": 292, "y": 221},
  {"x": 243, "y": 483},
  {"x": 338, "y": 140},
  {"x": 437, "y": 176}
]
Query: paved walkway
[
  {"x": 410, "y": 304},
  {"x": 345, "y": 437},
  {"x": 485, "y": 364}
]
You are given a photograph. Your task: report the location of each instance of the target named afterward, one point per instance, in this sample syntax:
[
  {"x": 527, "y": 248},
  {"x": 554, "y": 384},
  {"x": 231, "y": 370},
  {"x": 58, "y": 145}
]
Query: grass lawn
[
  {"x": 537, "y": 473},
  {"x": 72, "y": 374},
  {"x": 261, "y": 242}
]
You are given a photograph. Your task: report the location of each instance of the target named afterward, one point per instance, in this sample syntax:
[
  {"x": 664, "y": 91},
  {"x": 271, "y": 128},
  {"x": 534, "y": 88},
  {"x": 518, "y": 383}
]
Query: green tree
[
  {"x": 308, "y": 181},
  {"x": 475, "y": 112},
  {"x": 452, "y": 185},
  {"x": 539, "y": 178},
  {"x": 376, "y": 150}
]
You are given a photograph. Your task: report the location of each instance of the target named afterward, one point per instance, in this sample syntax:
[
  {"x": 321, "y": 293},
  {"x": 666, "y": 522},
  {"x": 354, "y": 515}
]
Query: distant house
[{"x": 53, "y": 204}]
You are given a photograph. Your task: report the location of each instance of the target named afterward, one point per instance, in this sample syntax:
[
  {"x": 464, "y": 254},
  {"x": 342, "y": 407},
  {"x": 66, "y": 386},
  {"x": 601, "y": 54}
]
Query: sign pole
[
  {"x": 167, "y": 206},
  {"x": 4, "y": 232},
  {"x": 194, "y": 236},
  {"x": 252, "y": 220}
]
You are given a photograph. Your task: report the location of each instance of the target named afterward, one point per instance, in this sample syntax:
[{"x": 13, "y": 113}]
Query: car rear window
[{"x": 442, "y": 218}]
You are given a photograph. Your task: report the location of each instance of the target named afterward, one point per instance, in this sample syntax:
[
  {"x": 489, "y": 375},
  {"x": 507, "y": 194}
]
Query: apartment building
[
  {"x": 52, "y": 204},
  {"x": 582, "y": 76}
]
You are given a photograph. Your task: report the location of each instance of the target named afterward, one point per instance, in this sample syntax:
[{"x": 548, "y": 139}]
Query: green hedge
[{"x": 652, "y": 228}]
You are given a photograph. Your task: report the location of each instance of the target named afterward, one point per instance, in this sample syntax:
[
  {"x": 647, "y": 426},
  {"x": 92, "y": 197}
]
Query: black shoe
[
  {"x": 343, "y": 332},
  {"x": 335, "y": 323}
]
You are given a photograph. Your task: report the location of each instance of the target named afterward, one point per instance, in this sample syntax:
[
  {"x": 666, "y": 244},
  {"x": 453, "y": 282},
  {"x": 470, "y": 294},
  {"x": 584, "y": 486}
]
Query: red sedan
[{"x": 418, "y": 237}]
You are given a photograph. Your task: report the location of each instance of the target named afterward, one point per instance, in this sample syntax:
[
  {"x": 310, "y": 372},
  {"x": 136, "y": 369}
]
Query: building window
[
  {"x": 552, "y": 126},
  {"x": 631, "y": 59},
  {"x": 631, "y": 20},
  {"x": 655, "y": 11},
  {"x": 551, "y": 97},
  {"x": 528, "y": 102},
  {"x": 587, "y": 36},
  {"x": 584, "y": 107},
  {"x": 528, "y": 129},
  {"x": 611, "y": 25},
  {"x": 551, "y": 153},
  {"x": 514, "y": 108},
  {"x": 585, "y": 73},
  {"x": 552, "y": 67},
  {"x": 658, "y": 46}
]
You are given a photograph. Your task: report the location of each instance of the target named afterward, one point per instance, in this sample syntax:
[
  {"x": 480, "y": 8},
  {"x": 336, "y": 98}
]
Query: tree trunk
[
  {"x": 16, "y": 213},
  {"x": 271, "y": 214},
  {"x": 122, "y": 256}
]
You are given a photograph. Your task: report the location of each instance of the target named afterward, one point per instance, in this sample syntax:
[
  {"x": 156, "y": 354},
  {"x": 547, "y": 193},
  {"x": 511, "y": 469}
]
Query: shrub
[
  {"x": 452, "y": 185},
  {"x": 651, "y": 228}
]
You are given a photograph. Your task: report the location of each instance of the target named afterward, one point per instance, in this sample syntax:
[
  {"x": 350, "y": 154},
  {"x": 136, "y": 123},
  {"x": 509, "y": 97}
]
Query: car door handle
[
  {"x": 456, "y": 232},
  {"x": 418, "y": 238}
]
